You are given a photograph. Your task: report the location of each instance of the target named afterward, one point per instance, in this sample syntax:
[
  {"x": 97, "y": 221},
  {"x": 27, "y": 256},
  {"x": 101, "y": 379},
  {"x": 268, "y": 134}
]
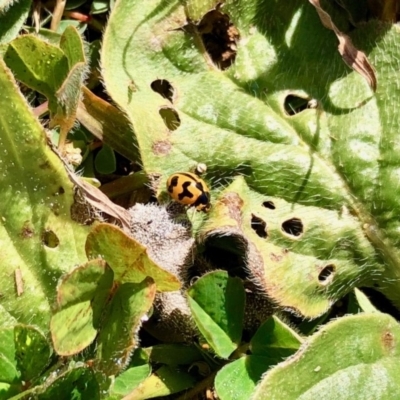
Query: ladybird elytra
[{"x": 188, "y": 189}]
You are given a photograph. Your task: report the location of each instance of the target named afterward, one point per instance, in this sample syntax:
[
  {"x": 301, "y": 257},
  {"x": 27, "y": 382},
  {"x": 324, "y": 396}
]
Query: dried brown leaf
[
  {"x": 97, "y": 198},
  {"x": 100, "y": 201},
  {"x": 353, "y": 57}
]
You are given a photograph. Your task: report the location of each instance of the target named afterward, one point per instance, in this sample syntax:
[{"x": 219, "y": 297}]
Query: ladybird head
[{"x": 203, "y": 202}]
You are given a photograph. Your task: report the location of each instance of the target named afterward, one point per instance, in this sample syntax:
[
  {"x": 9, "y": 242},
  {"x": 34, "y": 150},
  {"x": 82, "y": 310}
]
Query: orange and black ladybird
[{"x": 188, "y": 189}]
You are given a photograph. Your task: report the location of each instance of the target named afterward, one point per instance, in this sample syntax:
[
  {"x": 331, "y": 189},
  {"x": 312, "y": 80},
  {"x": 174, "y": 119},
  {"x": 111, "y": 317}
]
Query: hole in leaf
[
  {"x": 170, "y": 118},
  {"x": 50, "y": 239},
  {"x": 293, "y": 227},
  {"x": 269, "y": 204},
  {"x": 295, "y": 104},
  {"x": 228, "y": 253},
  {"x": 259, "y": 226},
  {"x": 219, "y": 36},
  {"x": 326, "y": 273},
  {"x": 163, "y": 88}
]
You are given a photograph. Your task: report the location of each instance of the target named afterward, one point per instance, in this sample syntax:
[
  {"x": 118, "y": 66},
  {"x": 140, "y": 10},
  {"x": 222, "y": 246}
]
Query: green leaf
[
  {"x": 8, "y": 368},
  {"x": 68, "y": 94},
  {"x": 71, "y": 23},
  {"x": 99, "y": 6},
  {"x": 32, "y": 351},
  {"x": 10, "y": 376},
  {"x": 308, "y": 327},
  {"x": 105, "y": 162},
  {"x": 6, "y": 319},
  {"x": 270, "y": 224},
  {"x": 58, "y": 73},
  {"x": 274, "y": 339},
  {"x": 173, "y": 354},
  {"x": 328, "y": 171},
  {"x": 81, "y": 299},
  {"x": 346, "y": 359},
  {"x": 118, "y": 335},
  {"x": 127, "y": 381},
  {"x": 163, "y": 382},
  {"x": 67, "y": 97},
  {"x": 12, "y": 20},
  {"x": 24, "y": 353},
  {"x": 37, "y": 199},
  {"x": 72, "y": 4},
  {"x": 45, "y": 34},
  {"x": 46, "y": 73},
  {"x": 72, "y": 46},
  {"x": 363, "y": 301},
  {"x": 127, "y": 258},
  {"x": 217, "y": 303},
  {"x": 107, "y": 123},
  {"x": 93, "y": 57},
  {"x": 237, "y": 380},
  {"x": 195, "y": 9},
  {"x": 78, "y": 384}
]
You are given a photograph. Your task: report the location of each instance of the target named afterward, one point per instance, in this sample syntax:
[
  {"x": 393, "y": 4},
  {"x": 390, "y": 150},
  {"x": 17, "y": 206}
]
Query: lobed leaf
[{"x": 334, "y": 160}]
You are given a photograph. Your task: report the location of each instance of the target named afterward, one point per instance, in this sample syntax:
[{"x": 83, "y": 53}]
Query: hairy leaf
[
  {"x": 353, "y": 357},
  {"x": 40, "y": 239},
  {"x": 258, "y": 89}
]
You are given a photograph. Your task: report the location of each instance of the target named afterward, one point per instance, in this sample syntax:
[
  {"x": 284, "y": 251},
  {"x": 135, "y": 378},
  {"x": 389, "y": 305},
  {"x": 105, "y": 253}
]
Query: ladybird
[{"x": 188, "y": 189}]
